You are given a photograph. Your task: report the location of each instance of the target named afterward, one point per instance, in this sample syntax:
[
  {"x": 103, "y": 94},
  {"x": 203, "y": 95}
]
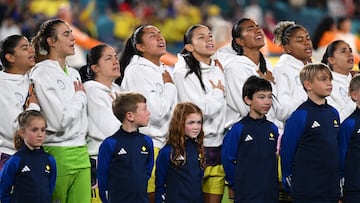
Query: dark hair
[
  {"x": 190, "y": 60},
  {"x": 176, "y": 137},
  {"x": 39, "y": 42},
  {"x": 126, "y": 102},
  {"x": 255, "y": 84},
  {"x": 130, "y": 50},
  {"x": 341, "y": 20},
  {"x": 324, "y": 25},
  {"x": 92, "y": 58},
  {"x": 329, "y": 52},
  {"x": 8, "y": 47},
  {"x": 283, "y": 31},
  {"x": 24, "y": 119},
  {"x": 236, "y": 33}
]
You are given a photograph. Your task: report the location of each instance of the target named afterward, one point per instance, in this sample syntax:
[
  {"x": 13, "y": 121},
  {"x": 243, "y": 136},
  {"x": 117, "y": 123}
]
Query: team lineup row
[{"x": 80, "y": 115}]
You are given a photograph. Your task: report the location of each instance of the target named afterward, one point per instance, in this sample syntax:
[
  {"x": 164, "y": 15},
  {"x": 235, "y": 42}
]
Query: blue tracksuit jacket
[
  {"x": 179, "y": 184},
  {"x": 309, "y": 153},
  {"x": 249, "y": 160},
  {"x": 28, "y": 177},
  {"x": 349, "y": 148},
  {"x": 125, "y": 163}
]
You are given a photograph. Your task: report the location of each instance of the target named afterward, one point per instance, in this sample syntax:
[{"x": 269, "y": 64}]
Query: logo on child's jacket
[
  {"x": 25, "y": 169},
  {"x": 358, "y": 131},
  {"x": 47, "y": 169},
  {"x": 248, "y": 138},
  {"x": 122, "y": 151},
  {"x": 144, "y": 150},
  {"x": 180, "y": 158},
  {"x": 315, "y": 124},
  {"x": 336, "y": 123},
  {"x": 271, "y": 136}
]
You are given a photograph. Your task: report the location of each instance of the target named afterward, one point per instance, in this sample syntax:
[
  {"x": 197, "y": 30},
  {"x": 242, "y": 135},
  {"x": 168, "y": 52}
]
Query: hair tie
[{"x": 133, "y": 42}]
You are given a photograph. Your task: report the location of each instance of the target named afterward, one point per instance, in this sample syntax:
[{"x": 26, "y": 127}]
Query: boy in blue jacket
[
  {"x": 126, "y": 159},
  {"x": 249, "y": 148},
  {"x": 309, "y": 150},
  {"x": 349, "y": 142}
]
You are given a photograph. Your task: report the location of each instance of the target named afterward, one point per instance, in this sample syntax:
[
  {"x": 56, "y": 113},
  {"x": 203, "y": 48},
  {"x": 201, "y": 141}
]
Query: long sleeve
[
  {"x": 340, "y": 98},
  {"x": 53, "y": 174},
  {"x": 150, "y": 161},
  {"x": 64, "y": 109},
  {"x": 229, "y": 152},
  {"x": 61, "y": 113},
  {"x": 104, "y": 159},
  {"x": 144, "y": 77},
  {"x": 162, "y": 165},
  {"x": 345, "y": 132},
  {"x": 235, "y": 79},
  {"x": 294, "y": 128},
  {"x": 210, "y": 102},
  {"x": 160, "y": 96},
  {"x": 289, "y": 90},
  {"x": 102, "y": 121},
  {"x": 7, "y": 177}
]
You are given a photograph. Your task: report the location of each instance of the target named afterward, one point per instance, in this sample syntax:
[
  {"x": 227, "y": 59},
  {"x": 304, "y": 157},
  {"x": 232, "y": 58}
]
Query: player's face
[
  {"x": 24, "y": 55},
  {"x": 202, "y": 43},
  {"x": 342, "y": 60},
  {"x": 300, "y": 45},
  {"x": 108, "y": 67}
]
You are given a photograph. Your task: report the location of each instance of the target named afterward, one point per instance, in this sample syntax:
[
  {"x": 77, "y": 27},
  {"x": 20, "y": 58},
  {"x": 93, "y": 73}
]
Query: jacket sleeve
[
  {"x": 229, "y": 152},
  {"x": 53, "y": 174},
  {"x": 345, "y": 132},
  {"x": 150, "y": 161},
  {"x": 7, "y": 177},
  {"x": 161, "y": 171},
  {"x": 104, "y": 158},
  {"x": 294, "y": 128}
]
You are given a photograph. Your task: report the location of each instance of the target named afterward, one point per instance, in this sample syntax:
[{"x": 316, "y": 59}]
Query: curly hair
[
  {"x": 176, "y": 135},
  {"x": 283, "y": 30}
]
